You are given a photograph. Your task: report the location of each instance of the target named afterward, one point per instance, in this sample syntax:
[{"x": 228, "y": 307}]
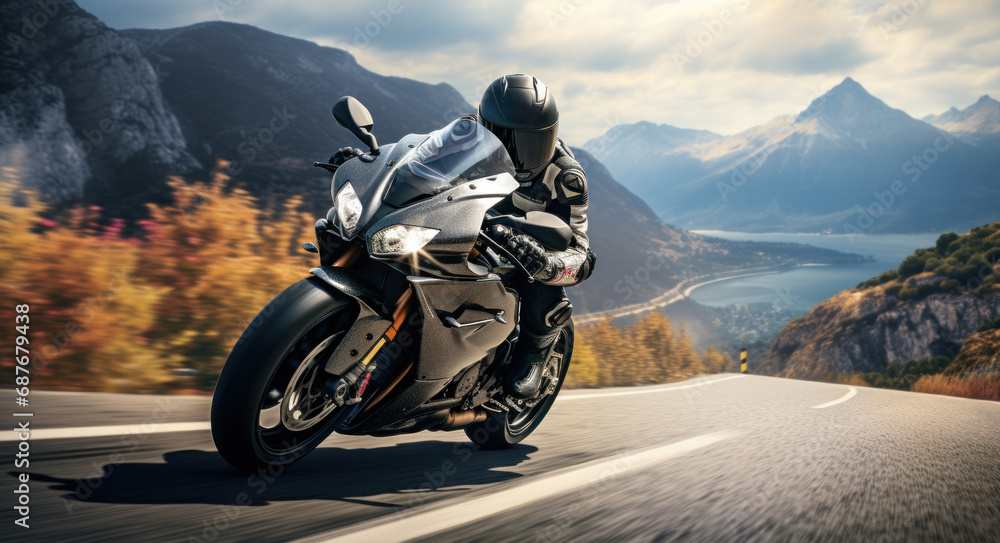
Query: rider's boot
[{"x": 525, "y": 374}]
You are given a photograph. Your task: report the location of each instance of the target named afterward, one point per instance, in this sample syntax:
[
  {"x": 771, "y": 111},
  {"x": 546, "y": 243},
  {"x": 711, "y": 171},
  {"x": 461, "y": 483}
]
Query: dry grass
[{"x": 983, "y": 387}]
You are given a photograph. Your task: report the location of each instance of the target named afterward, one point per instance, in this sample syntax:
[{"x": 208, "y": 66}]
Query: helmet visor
[{"x": 529, "y": 149}]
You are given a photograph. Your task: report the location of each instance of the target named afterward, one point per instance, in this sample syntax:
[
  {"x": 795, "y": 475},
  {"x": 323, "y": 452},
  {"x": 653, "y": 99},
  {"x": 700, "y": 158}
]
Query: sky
[{"x": 706, "y": 64}]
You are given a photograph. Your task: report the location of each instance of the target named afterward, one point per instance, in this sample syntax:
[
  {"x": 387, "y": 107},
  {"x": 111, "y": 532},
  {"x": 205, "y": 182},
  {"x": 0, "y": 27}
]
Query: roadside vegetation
[
  {"x": 956, "y": 264},
  {"x": 648, "y": 351},
  {"x": 156, "y": 305}
]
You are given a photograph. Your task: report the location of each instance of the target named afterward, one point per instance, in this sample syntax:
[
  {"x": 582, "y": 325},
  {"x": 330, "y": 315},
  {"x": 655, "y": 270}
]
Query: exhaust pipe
[{"x": 457, "y": 418}]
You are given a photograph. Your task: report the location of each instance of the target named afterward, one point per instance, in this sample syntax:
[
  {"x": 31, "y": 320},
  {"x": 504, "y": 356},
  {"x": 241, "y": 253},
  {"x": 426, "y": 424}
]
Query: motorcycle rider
[
  {"x": 520, "y": 110},
  {"x": 522, "y": 113}
]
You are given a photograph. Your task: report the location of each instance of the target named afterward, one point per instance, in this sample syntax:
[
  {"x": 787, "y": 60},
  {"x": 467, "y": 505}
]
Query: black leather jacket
[{"x": 560, "y": 189}]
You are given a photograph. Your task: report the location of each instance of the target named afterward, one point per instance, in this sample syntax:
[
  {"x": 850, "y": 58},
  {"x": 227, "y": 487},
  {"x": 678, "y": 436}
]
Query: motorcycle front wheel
[
  {"x": 501, "y": 430},
  {"x": 267, "y": 409}
]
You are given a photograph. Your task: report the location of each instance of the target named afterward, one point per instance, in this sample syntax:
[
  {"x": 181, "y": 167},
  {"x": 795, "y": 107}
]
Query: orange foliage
[
  {"x": 112, "y": 313},
  {"x": 648, "y": 351},
  {"x": 982, "y": 387}
]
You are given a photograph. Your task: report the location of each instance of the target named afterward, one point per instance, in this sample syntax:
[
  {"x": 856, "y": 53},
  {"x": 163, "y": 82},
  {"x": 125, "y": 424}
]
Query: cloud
[{"x": 722, "y": 65}]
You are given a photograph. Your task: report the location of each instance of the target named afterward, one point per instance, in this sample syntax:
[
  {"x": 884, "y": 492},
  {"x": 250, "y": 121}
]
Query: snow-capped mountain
[
  {"x": 983, "y": 117},
  {"x": 848, "y": 163}
]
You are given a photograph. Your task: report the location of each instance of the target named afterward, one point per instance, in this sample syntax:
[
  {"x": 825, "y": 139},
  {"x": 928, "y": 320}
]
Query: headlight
[
  {"x": 401, "y": 239},
  {"x": 349, "y": 210}
]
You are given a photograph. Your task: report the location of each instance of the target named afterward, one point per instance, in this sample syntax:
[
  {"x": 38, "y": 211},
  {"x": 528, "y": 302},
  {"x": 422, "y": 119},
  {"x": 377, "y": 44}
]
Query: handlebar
[
  {"x": 332, "y": 168},
  {"x": 502, "y": 251}
]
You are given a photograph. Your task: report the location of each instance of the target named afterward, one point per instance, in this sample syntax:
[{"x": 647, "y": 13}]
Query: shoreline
[{"x": 675, "y": 294}]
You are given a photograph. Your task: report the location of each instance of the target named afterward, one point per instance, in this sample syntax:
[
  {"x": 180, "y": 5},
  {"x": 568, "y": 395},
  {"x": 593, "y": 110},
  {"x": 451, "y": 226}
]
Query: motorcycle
[{"x": 410, "y": 320}]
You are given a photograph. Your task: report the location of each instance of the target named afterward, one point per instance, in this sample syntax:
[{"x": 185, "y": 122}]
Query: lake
[{"x": 803, "y": 287}]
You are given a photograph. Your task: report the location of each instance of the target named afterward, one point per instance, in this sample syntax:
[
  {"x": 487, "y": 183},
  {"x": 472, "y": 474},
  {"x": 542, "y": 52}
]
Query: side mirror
[{"x": 354, "y": 116}]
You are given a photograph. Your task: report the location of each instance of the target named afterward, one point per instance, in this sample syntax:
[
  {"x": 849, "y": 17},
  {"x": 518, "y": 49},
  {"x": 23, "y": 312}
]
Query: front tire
[
  {"x": 267, "y": 410},
  {"x": 502, "y": 430}
]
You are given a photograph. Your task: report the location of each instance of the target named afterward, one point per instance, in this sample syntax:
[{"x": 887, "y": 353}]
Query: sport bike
[{"x": 409, "y": 321}]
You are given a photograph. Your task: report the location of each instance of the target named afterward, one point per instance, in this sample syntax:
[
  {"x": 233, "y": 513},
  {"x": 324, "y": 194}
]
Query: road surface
[{"x": 719, "y": 458}]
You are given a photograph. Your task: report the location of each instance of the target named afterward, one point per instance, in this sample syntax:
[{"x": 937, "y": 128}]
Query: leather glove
[
  {"x": 344, "y": 154},
  {"x": 529, "y": 252}
]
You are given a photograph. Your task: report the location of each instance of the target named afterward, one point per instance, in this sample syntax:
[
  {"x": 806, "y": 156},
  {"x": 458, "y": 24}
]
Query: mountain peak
[
  {"x": 846, "y": 100},
  {"x": 983, "y": 117}
]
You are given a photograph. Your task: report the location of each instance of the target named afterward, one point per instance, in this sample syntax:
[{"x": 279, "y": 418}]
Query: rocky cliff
[
  {"x": 81, "y": 112},
  {"x": 930, "y": 306},
  {"x": 863, "y": 331}
]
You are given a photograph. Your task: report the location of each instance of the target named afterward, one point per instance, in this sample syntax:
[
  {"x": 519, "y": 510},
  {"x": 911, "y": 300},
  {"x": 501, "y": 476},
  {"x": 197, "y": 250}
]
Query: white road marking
[
  {"x": 850, "y": 394},
  {"x": 643, "y": 390},
  {"x": 123, "y": 430},
  {"x": 437, "y": 519},
  {"x": 105, "y": 431}
]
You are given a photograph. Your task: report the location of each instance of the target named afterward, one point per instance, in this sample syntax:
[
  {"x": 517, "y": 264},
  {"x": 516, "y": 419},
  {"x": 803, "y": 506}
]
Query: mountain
[
  {"x": 259, "y": 104},
  {"x": 639, "y": 151},
  {"x": 262, "y": 101},
  {"x": 930, "y": 306},
  {"x": 983, "y": 117},
  {"x": 848, "y": 163},
  {"x": 81, "y": 110},
  {"x": 640, "y": 257}
]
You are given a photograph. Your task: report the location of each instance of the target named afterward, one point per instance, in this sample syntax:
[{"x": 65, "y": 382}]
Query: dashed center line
[{"x": 850, "y": 394}]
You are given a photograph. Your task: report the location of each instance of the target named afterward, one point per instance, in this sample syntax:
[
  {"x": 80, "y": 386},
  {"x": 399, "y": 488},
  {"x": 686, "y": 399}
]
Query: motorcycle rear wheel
[
  {"x": 504, "y": 429},
  {"x": 267, "y": 409}
]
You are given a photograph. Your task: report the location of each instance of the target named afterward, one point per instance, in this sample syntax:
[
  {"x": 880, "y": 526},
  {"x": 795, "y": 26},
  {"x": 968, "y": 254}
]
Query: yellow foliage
[
  {"x": 646, "y": 352},
  {"x": 120, "y": 314}
]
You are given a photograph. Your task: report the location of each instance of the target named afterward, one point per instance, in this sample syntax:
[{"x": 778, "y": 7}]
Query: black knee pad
[{"x": 558, "y": 313}]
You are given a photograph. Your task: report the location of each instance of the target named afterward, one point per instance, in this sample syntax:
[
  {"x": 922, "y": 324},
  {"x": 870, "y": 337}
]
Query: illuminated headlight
[
  {"x": 400, "y": 239},
  {"x": 349, "y": 210}
]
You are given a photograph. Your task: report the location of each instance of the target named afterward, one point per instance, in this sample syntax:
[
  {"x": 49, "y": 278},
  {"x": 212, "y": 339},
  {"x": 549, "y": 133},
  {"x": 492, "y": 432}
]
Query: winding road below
[{"x": 719, "y": 458}]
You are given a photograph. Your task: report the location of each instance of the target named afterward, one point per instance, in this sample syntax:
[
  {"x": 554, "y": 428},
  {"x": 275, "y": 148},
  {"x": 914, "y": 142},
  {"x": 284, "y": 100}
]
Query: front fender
[
  {"x": 374, "y": 317},
  {"x": 354, "y": 285}
]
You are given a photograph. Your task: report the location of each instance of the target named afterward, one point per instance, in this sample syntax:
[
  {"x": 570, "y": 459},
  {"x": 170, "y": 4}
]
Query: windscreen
[{"x": 462, "y": 151}]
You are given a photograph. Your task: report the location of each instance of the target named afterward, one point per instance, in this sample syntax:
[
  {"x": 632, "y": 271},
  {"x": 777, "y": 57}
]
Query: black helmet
[{"x": 521, "y": 111}]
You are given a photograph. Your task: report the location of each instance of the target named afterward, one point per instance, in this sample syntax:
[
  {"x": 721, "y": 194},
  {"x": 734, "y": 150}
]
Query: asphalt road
[{"x": 722, "y": 458}]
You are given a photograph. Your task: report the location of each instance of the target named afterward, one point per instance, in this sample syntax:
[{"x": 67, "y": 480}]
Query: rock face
[
  {"x": 863, "y": 331},
  {"x": 261, "y": 101},
  {"x": 81, "y": 108},
  {"x": 980, "y": 355}
]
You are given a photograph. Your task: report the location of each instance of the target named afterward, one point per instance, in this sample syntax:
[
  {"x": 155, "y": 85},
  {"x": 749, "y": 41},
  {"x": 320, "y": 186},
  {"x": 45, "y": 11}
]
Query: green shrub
[
  {"x": 944, "y": 241},
  {"x": 880, "y": 280},
  {"x": 989, "y": 325},
  {"x": 913, "y": 265}
]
